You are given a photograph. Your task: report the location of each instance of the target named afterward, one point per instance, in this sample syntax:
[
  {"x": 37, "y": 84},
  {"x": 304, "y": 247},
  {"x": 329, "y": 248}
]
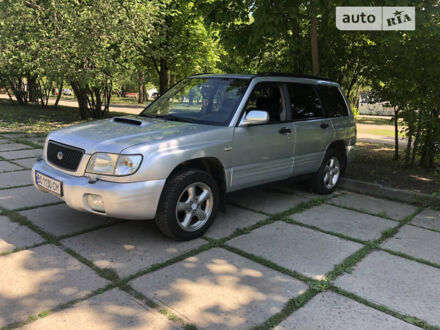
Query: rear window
[
  {"x": 333, "y": 101},
  {"x": 304, "y": 102}
]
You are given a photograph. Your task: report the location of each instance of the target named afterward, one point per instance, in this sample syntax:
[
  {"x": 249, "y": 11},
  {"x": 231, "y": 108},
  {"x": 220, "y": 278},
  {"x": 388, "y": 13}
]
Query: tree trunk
[
  {"x": 19, "y": 90},
  {"x": 314, "y": 37},
  {"x": 417, "y": 139},
  {"x": 60, "y": 92},
  {"x": 396, "y": 133},
  {"x": 141, "y": 95},
  {"x": 144, "y": 93},
  {"x": 81, "y": 96},
  {"x": 9, "y": 94},
  {"x": 164, "y": 77},
  {"x": 410, "y": 134},
  {"x": 32, "y": 89}
]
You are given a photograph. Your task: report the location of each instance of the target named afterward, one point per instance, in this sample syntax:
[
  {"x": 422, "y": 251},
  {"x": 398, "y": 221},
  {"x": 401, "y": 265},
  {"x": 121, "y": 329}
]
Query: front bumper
[{"x": 133, "y": 200}]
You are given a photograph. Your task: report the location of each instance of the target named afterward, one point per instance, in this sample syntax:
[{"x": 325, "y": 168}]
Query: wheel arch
[
  {"x": 339, "y": 146},
  {"x": 211, "y": 165}
]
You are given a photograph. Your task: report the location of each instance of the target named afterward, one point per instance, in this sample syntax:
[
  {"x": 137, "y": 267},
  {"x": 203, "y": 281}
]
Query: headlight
[
  {"x": 127, "y": 164},
  {"x": 113, "y": 164}
]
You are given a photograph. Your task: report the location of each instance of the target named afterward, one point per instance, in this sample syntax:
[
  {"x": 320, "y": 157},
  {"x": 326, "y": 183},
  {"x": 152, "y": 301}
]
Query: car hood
[{"x": 116, "y": 134}]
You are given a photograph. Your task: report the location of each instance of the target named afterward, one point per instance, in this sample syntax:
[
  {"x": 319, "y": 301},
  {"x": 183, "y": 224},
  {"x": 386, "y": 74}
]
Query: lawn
[
  {"x": 378, "y": 131},
  {"x": 374, "y": 163},
  {"x": 368, "y": 120},
  {"x": 382, "y": 126},
  {"x": 34, "y": 119}
]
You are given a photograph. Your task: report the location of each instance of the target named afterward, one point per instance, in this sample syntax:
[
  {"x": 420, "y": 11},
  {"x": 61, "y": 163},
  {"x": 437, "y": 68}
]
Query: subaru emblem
[{"x": 60, "y": 155}]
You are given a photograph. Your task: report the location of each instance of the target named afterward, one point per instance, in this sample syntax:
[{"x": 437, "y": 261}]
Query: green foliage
[
  {"x": 112, "y": 46},
  {"x": 404, "y": 69}
]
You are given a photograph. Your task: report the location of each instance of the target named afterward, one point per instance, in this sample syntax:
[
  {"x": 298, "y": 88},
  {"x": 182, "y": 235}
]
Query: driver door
[{"x": 263, "y": 153}]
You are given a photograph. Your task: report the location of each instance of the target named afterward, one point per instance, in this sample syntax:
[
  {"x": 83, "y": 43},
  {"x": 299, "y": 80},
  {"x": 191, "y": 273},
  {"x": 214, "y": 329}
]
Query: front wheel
[
  {"x": 188, "y": 205},
  {"x": 326, "y": 180}
]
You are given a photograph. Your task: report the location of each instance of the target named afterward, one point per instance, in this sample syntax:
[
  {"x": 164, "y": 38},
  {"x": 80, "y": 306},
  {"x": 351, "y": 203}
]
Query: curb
[{"x": 378, "y": 190}]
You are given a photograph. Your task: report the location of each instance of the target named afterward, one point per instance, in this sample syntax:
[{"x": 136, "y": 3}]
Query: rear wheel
[
  {"x": 329, "y": 174},
  {"x": 188, "y": 205}
]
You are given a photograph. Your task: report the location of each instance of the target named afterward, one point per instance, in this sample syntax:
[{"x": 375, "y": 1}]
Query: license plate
[{"x": 47, "y": 183}]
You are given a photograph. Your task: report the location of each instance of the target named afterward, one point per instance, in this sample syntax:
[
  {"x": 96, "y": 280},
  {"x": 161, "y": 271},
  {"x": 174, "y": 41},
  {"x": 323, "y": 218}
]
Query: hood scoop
[{"x": 127, "y": 121}]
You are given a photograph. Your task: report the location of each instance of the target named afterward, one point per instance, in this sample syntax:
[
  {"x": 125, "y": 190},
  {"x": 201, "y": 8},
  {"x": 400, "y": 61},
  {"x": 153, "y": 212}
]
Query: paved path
[{"x": 280, "y": 256}]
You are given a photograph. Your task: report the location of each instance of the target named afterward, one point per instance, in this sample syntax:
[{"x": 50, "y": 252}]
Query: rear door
[
  {"x": 313, "y": 130},
  {"x": 337, "y": 110},
  {"x": 263, "y": 153}
]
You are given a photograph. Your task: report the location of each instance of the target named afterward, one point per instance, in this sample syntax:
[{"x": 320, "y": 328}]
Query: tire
[
  {"x": 180, "y": 214},
  {"x": 326, "y": 180}
]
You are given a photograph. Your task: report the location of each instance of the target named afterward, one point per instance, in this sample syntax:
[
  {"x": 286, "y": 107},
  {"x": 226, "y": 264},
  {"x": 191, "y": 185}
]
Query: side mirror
[{"x": 255, "y": 117}]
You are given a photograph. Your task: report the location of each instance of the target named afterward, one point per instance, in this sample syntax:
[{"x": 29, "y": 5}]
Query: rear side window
[
  {"x": 304, "y": 102},
  {"x": 333, "y": 101}
]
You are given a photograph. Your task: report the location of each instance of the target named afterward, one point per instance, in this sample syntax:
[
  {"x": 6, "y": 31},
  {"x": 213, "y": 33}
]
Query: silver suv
[{"x": 206, "y": 136}]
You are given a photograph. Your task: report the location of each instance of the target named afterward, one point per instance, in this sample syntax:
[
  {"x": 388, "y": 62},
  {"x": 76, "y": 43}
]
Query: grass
[
  {"x": 125, "y": 100},
  {"x": 368, "y": 120},
  {"x": 34, "y": 119},
  {"x": 374, "y": 163},
  {"x": 379, "y": 131}
]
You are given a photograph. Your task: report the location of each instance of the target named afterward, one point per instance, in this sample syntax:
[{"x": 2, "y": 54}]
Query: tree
[
  {"x": 404, "y": 70},
  {"x": 181, "y": 43}
]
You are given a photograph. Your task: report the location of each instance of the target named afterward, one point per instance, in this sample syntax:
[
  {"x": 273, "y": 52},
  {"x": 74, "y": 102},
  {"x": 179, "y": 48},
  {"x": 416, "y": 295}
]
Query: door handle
[
  {"x": 285, "y": 131},
  {"x": 324, "y": 125}
]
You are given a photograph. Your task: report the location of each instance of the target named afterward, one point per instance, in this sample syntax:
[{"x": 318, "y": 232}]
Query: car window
[
  {"x": 304, "y": 101},
  {"x": 333, "y": 101},
  {"x": 266, "y": 97},
  {"x": 200, "y": 100}
]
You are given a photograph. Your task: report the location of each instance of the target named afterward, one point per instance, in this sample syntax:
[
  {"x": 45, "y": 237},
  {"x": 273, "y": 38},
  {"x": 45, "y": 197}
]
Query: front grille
[{"x": 64, "y": 156}]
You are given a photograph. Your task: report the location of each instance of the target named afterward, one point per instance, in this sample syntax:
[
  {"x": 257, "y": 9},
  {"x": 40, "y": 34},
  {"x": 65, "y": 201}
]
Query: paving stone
[
  {"x": 7, "y": 166},
  {"x": 26, "y": 162},
  {"x": 11, "y": 179},
  {"x": 16, "y": 198},
  {"x": 13, "y": 146},
  {"x": 129, "y": 247},
  {"x": 349, "y": 223},
  {"x": 226, "y": 223},
  {"x": 4, "y": 141},
  {"x": 113, "y": 309},
  {"x": 403, "y": 285},
  {"x": 331, "y": 311},
  {"x": 32, "y": 281},
  {"x": 62, "y": 220},
  {"x": 428, "y": 219},
  {"x": 266, "y": 201},
  {"x": 374, "y": 205},
  {"x": 13, "y": 236},
  {"x": 299, "y": 249},
  {"x": 21, "y": 154},
  {"x": 417, "y": 242},
  {"x": 218, "y": 289}
]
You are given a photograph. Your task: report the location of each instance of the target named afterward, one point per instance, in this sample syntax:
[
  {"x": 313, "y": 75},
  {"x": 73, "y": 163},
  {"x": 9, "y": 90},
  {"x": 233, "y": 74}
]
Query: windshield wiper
[
  {"x": 150, "y": 116},
  {"x": 178, "y": 118}
]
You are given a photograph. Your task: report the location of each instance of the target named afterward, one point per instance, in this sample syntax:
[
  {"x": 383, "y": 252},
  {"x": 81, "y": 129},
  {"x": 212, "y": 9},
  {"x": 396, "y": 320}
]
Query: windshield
[{"x": 200, "y": 100}]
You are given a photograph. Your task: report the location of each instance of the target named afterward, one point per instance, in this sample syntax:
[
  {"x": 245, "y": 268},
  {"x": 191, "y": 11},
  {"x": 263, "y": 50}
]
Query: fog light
[{"x": 95, "y": 202}]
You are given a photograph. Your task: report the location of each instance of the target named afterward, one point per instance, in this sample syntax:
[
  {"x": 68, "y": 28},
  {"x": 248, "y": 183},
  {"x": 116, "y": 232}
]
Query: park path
[{"x": 279, "y": 256}]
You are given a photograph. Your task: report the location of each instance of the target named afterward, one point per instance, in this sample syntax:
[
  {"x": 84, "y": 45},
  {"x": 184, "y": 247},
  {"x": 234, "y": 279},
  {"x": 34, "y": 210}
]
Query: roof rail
[{"x": 296, "y": 75}]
